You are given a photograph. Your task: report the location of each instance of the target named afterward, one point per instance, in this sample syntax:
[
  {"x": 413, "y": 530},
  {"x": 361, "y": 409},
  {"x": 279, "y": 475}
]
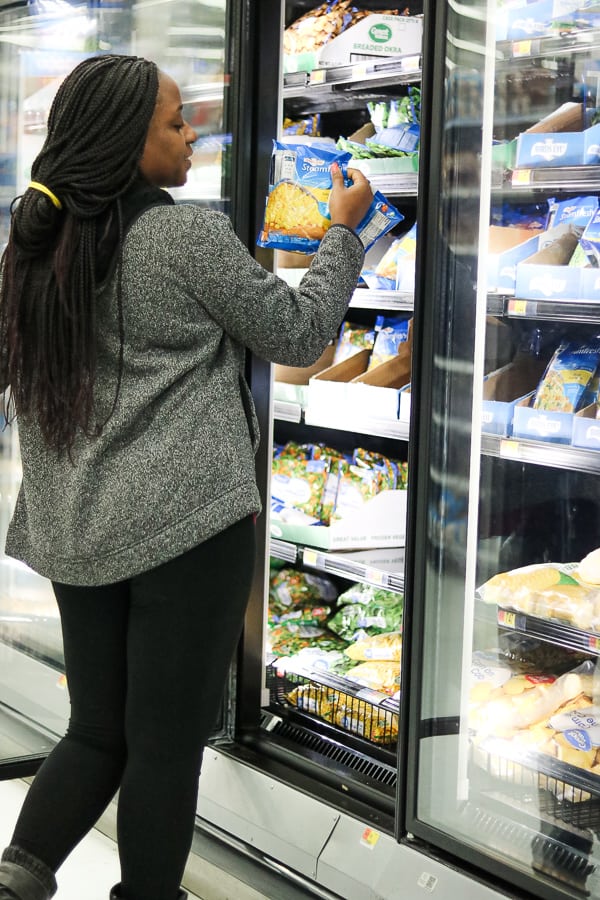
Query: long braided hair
[{"x": 97, "y": 128}]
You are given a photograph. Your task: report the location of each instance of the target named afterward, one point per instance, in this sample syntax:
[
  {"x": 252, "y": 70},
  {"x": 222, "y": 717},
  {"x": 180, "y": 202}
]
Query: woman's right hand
[{"x": 348, "y": 205}]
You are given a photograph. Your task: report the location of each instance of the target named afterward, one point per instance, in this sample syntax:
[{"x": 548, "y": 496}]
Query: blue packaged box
[
  {"x": 506, "y": 248},
  {"x": 577, "y": 211},
  {"x": 586, "y": 428},
  {"x": 555, "y": 149},
  {"x": 590, "y": 240},
  {"x": 590, "y": 284},
  {"x": 539, "y": 282},
  {"x": 546, "y": 275},
  {"x": 591, "y": 146},
  {"x": 541, "y": 424},
  {"x": 535, "y": 19},
  {"x": 504, "y": 390}
]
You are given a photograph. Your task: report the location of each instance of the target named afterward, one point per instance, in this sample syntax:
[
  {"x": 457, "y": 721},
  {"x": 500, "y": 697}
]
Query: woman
[{"x": 124, "y": 322}]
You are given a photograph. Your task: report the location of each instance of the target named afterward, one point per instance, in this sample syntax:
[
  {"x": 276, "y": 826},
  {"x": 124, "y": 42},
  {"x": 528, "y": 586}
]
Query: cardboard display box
[
  {"x": 541, "y": 424},
  {"x": 375, "y": 35},
  {"x": 559, "y": 149},
  {"x": 545, "y": 274},
  {"x": 586, "y": 428},
  {"x": 505, "y": 389},
  {"x": 391, "y": 165},
  {"x": 507, "y": 247},
  {"x": 349, "y": 389},
  {"x": 380, "y": 522},
  {"x": 290, "y": 382}
]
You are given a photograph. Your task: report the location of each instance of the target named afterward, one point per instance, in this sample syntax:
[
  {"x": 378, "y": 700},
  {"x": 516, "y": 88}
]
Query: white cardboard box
[
  {"x": 380, "y": 522},
  {"x": 375, "y": 35}
]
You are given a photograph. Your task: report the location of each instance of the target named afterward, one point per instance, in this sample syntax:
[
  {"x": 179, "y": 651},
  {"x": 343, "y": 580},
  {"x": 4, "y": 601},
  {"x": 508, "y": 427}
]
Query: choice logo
[{"x": 381, "y": 33}]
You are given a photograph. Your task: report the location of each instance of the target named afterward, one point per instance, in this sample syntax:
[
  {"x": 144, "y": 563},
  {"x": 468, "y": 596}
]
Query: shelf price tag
[
  {"x": 521, "y": 48},
  {"x": 518, "y": 307},
  {"x": 594, "y": 643},
  {"x": 310, "y": 557},
  {"x": 317, "y": 76},
  {"x": 521, "y": 177},
  {"x": 376, "y": 576},
  {"x": 506, "y": 618},
  {"x": 509, "y": 449},
  {"x": 359, "y": 72}
]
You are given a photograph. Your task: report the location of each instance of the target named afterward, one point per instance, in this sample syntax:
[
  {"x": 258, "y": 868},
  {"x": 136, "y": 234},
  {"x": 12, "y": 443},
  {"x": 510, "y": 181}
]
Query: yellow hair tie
[{"x": 38, "y": 186}]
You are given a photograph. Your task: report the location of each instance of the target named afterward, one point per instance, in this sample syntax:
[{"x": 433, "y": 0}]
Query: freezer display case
[
  {"x": 196, "y": 43},
  {"x": 331, "y": 612},
  {"x": 502, "y": 739}
]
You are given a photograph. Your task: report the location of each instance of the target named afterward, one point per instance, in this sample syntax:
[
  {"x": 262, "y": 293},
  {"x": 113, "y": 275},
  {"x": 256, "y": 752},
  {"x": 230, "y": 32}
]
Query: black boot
[
  {"x": 24, "y": 877},
  {"x": 115, "y": 894}
]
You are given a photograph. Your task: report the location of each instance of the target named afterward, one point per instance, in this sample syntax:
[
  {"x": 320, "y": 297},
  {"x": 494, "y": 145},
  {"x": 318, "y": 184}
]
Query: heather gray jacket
[{"x": 174, "y": 464}]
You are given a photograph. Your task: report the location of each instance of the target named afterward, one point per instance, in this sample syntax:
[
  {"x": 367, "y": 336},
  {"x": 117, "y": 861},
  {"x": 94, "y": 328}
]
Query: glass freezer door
[
  {"x": 503, "y": 748},
  {"x": 40, "y": 43}
]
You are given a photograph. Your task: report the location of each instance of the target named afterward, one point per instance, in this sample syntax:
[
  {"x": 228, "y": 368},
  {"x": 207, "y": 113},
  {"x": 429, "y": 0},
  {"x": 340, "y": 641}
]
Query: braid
[{"x": 97, "y": 129}]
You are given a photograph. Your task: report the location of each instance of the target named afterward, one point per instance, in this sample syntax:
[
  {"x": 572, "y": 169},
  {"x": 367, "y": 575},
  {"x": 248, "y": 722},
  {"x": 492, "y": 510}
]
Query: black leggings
[{"x": 146, "y": 661}]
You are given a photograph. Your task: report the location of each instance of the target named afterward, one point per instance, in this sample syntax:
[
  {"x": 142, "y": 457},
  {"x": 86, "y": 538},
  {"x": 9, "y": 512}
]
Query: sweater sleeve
[{"x": 279, "y": 323}]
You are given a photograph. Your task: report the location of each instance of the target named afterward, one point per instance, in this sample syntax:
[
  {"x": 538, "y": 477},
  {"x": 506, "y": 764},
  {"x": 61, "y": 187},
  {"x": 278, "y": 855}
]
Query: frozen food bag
[
  {"x": 367, "y": 720},
  {"x": 376, "y": 674},
  {"x": 294, "y": 588},
  {"x": 390, "y": 333},
  {"x": 352, "y": 339},
  {"x": 299, "y": 484},
  {"x": 568, "y": 376},
  {"x": 381, "y": 647},
  {"x": 297, "y": 207},
  {"x": 501, "y": 702},
  {"x": 552, "y": 591}
]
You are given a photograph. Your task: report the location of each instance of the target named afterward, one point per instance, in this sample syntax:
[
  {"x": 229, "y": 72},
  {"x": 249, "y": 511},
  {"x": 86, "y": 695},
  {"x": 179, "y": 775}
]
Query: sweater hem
[{"x": 171, "y": 541}]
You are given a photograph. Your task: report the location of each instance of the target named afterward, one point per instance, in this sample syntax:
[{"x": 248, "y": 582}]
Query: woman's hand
[{"x": 348, "y": 205}]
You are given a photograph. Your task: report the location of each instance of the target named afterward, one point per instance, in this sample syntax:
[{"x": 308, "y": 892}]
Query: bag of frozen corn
[{"x": 297, "y": 208}]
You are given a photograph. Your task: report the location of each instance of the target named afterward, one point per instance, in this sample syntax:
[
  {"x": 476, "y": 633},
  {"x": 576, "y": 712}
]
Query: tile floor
[{"x": 95, "y": 861}]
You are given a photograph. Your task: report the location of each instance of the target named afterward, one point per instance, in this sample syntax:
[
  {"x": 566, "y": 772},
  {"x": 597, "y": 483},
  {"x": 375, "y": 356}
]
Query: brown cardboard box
[
  {"x": 290, "y": 382},
  {"x": 568, "y": 117}
]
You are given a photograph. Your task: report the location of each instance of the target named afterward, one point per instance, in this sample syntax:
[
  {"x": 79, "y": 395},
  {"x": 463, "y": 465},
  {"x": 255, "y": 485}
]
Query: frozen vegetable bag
[{"x": 297, "y": 207}]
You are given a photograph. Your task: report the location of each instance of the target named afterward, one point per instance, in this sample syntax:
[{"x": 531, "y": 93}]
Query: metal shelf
[
  {"x": 542, "y": 453},
  {"x": 390, "y": 428},
  {"x": 561, "y": 44},
  {"x": 556, "y": 632},
  {"x": 381, "y": 568},
  {"x": 578, "y": 309},
  {"x": 319, "y": 83},
  {"x": 364, "y": 298},
  {"x": 566, "y": 178}
]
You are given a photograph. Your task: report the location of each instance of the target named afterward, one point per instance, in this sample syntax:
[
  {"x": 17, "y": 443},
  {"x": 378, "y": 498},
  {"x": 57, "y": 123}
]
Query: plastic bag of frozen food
[
  {"x": 380, "y": 726},
  {"x": 285, "y": 640},
  {"x": 376, "y": 674},
  {"x": 548, "y": 591},
  {"x": 567, "y": 377},
  {"x": 353, "y": 621},
  {"x": 390, "y": 333},
  {"x": 368, "y": 593},
  {"x": 501, "y": 701},
  {"x": 297, "y": 215},
  {"x": 290, "y": 588},
  {"x": 386, "y": 646},
  {"x": 352, "y": 339},
  {"x": 299, "y": 484}
]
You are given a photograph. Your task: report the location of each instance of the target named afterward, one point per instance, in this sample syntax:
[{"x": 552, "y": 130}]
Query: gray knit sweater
[{"x": 174, "y": 464}]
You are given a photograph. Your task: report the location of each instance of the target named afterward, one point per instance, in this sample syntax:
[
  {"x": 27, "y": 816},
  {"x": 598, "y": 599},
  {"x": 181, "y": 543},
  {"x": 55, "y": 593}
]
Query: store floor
[{"x": 95, "y": 863}]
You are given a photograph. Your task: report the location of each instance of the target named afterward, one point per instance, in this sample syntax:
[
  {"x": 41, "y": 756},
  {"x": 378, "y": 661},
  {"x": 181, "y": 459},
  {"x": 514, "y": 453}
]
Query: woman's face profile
[{"x": 166, "y": 161}]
